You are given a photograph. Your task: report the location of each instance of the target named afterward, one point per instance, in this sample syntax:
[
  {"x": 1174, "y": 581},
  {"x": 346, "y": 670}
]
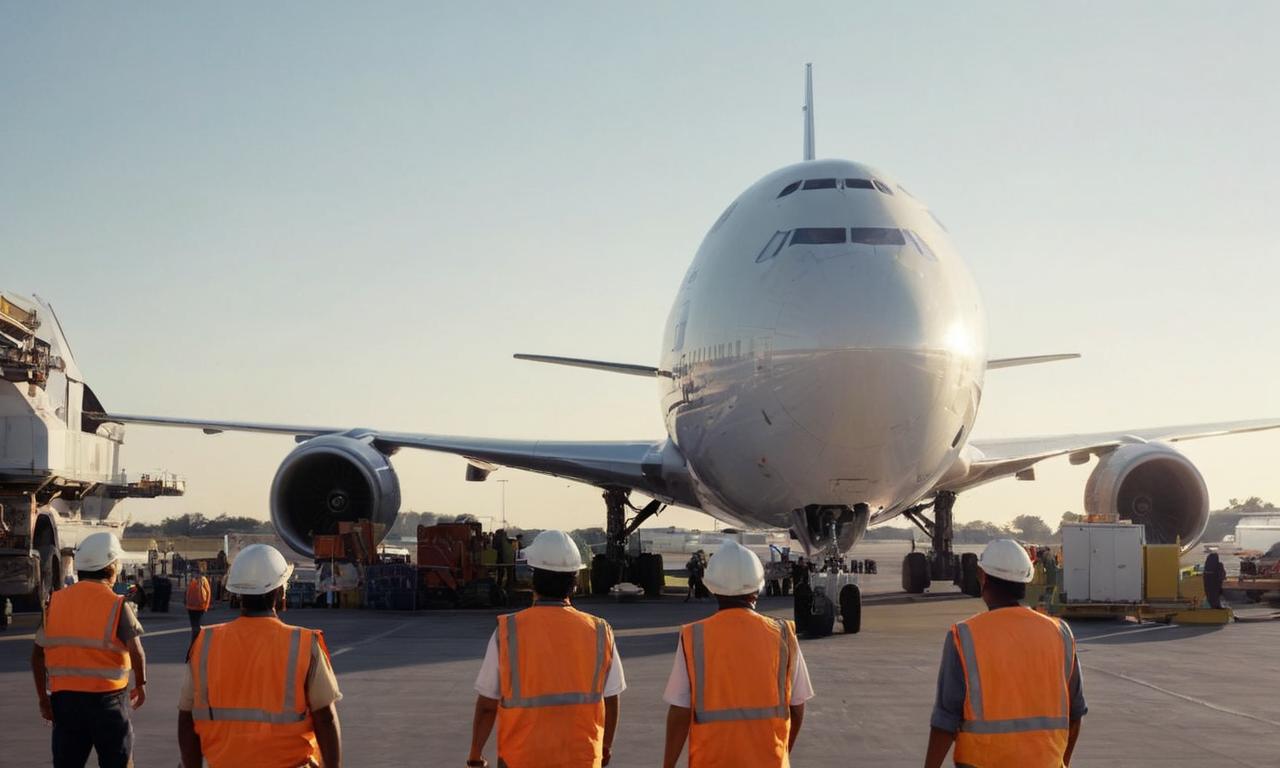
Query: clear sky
[{"x": 354, "y": 214}]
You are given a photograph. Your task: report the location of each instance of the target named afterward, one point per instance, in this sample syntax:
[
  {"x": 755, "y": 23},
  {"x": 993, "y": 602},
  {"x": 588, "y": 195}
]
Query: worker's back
[
  {"x": 1017, "y": 665},
  {"x": 250, "y": 708},
  {"x": 83, "y": 650},
  {"x": 739, "y": 665},
  {"x": 552, "y": 660}
]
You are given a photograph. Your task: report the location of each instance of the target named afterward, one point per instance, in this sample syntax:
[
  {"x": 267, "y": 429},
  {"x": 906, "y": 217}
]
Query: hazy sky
[{"x": 321, "y": 213}]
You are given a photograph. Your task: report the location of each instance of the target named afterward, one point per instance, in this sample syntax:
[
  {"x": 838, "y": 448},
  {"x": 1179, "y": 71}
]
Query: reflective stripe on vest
[
  {"x": 203, "y": 711},
  {"x": 593, "y": 696},
  {"x": 106, "y": 674},
  {"x": 973, "y": 682},
  {"x": 703, "y": 715}
]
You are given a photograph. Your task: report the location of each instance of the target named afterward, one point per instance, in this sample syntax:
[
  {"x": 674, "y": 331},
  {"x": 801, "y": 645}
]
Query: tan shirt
[{"x": 322, "y": 684}]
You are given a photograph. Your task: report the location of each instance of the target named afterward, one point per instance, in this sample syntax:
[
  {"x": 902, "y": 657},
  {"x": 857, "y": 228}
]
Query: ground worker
[
  {"x": 1009, "y": 691},
  {"x": 258, "y": 691},
  {"x": 551, "y": 675},
  {"x": 199, "y": 595},
  {"x": 739, "y": 682},
  {"x": 88, "y": 640}
]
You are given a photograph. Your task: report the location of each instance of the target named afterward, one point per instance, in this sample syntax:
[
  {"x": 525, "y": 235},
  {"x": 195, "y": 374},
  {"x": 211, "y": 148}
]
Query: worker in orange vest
[
  {"x": 198, "y": 598},
  {"x": 87, "y": 643},
  {"x": 1009, "y": 690},
  {"x": 551, "y": 675},
  {"x": 739, "y": 683},
  {"x": 258, "y": 691}
]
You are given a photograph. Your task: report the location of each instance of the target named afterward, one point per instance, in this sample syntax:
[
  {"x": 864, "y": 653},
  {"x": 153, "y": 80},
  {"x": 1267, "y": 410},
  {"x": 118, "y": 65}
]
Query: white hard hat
[
  {"x": 1006, "y": 559},
  {"x": 257, "y": 570},
  {"x": 97, "y": 551},
  {"x": 734, "y": 570},
  {"x": 554, "y": 550}
]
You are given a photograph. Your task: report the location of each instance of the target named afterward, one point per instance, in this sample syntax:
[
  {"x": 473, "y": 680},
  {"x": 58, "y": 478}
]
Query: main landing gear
[
  {"x": 616, "y": 564},
  {"x": 941, "y": 563}
]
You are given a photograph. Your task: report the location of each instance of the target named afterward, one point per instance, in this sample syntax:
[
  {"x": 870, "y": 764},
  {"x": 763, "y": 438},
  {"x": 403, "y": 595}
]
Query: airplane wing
[
  {"x": 598, "y": 365},
  {"x": 1000, "y": 458},
  {"x": 653, "y": 467}
]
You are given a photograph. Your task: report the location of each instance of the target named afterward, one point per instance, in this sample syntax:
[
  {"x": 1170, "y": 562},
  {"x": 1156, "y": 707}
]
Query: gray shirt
[{"x": 948, "y": 706}]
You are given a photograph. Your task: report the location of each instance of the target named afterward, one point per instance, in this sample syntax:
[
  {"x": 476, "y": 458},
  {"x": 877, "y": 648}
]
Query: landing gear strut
[
  {"x": 616, "y": 564},
  {"x": 941, "y": 563}
]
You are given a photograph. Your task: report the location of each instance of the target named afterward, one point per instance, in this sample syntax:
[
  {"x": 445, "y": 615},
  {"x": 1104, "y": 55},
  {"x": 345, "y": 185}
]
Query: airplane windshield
[
  {"x": 818, "y": 236},
  {"x": 877, "y": 236}
]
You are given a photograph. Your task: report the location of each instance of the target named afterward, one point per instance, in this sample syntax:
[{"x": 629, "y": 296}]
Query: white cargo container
[
  {"x": 1257, "y": 533},
  {"x": 1102, "y": 562}
]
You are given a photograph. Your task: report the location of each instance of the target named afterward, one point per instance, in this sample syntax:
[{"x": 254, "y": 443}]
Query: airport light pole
[{"x": 503, "y": 484}]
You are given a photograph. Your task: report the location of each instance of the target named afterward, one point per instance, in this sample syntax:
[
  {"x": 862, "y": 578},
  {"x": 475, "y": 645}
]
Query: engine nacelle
[
  {"x": 1152, "y": 484},
  {"x": 331, "y": 479}
]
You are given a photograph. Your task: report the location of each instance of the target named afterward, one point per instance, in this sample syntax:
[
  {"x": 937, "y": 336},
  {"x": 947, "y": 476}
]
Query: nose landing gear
[{"x": 940, "y": 563}]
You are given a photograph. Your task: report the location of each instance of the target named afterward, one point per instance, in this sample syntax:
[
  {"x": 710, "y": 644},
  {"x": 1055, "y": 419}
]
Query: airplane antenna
[{"x": 808, "y": 111}]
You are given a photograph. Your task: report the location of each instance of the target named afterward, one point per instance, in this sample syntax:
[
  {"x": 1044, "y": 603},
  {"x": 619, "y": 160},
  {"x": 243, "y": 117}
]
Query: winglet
[
  {"x": 599, "y": 365},
  {"x": 1014, "y": 362},
  {"x": 808, "y": 111}
]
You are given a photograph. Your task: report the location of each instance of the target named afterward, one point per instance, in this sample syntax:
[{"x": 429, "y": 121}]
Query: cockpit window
[
  {"x": 858, "y": 184},
  {"x": 880, "y": 185},
  {"x": 921, "y": 244},
  {"x": 877, "y": 236},
  {"x": 772, "y": 247},
  {"x": 792, "y": 187},
  {"x": 820, "y": 184},
  {"x": 818, "y": 236}
]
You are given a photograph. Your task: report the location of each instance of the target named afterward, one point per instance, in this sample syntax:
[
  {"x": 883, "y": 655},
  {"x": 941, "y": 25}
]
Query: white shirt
[
  {"x": 678, "y": 692},
  {"x": 489, "y": 684}
]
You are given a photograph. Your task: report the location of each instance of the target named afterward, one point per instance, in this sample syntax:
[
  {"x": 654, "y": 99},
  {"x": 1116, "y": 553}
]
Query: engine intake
[
  {"x": 328, "y": 480},
  {"x": 1154, "y": 485}
]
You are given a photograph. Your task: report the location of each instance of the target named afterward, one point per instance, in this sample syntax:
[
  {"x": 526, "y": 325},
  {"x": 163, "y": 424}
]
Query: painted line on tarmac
[
  {"x": 1183, "y": 696},
  {"x": 368, "y": 640},
  {"x": 1124, "y": 632},
  {"x": 145, "y": 634}
]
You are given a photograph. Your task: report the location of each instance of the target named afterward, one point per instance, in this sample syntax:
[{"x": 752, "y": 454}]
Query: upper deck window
[
  {"x": 858, "y": 184},
  {"x": 820, "y": 184},
  {"x": 877, "y": 236},
  {"x": 792, "y": 187},
  {"x": 818, "y": 236},
  {"x": 880, "y": 185}
]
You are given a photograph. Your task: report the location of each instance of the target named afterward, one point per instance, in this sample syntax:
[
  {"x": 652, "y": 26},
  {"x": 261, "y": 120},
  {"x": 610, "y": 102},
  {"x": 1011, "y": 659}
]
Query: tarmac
[{"x": 1158, "y": 695}]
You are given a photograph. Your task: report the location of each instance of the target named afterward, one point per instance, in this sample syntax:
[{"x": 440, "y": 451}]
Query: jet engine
[
  {"x": 1154, "y": 485},
  {"x": 331, "y": 479}
]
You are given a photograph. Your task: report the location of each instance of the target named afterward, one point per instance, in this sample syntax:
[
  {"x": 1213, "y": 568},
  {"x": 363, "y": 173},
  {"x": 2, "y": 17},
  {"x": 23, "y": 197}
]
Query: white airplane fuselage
[{"x": 814, "y": 369}]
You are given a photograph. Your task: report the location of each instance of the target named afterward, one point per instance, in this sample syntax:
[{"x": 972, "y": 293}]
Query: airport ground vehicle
[{"x": 60, "y": 475}]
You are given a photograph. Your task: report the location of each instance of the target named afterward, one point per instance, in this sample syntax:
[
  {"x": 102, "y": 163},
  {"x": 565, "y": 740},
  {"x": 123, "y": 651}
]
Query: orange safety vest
[
  {"x": 552, "y": 663},
  {"x": 82, "y": 647},
  {"x": 740, "y": 665},
  {"x": 249, "y": 679},
  {"x": 198, "y": 594},
  {"x": 1017, "y": 667}
]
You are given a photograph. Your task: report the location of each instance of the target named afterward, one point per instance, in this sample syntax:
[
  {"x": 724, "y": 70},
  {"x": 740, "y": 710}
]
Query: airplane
[{"x": 821, "y": 370}]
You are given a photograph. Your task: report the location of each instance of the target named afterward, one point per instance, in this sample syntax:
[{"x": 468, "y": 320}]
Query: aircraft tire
[
  {"x": 851, "y": 609},
  {"x": 604, "y": 575},
  {"x": 915, "y": 573},
  {"x": 649, "y": 569},
  {"x": 969, "y": 583}
]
